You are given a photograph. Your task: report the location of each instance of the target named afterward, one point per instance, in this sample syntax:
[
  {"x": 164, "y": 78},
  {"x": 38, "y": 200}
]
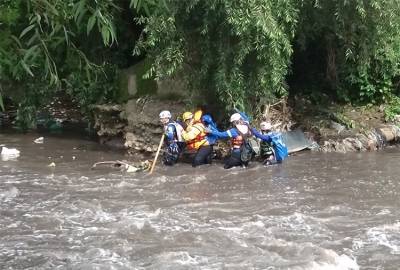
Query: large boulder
[
  {"x": 143, "y": 129},
  {"x": 134, "y": 126}
]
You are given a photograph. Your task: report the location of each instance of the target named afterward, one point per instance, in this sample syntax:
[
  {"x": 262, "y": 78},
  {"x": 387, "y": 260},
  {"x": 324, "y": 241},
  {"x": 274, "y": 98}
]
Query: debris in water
[
  {"x": 39, "y": 140},
  {"x": 9, "y": 153},
  {"x": 126, "y": 166},
  {"x": 131, "y": 168}
]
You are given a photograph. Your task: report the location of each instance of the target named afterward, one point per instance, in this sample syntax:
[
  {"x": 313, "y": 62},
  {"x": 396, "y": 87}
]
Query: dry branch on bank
[{"x": 279, "y": 114}]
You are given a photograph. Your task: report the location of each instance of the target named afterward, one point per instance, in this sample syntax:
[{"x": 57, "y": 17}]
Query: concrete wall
[{"x": 132, "y": 85}]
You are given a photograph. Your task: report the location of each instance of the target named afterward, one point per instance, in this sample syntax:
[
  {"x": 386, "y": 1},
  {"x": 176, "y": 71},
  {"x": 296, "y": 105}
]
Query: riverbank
[
  {"x": 344, "y": 127},
  {"x": 333, "y": 127},
  {"x": 133, "y": 127}
]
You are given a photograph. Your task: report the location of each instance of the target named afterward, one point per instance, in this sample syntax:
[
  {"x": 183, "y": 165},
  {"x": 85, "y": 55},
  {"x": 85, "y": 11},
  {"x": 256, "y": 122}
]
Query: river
[{"x": 315, "y": 211}]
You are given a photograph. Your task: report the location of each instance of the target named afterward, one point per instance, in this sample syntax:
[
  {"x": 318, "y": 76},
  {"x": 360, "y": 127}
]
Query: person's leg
[
  {"x": 181, "y": 147},
  {"x": 233, "y": 160},
  {"x": 210, "y": 156},
  {"x": 169, "y": 159},
  {"x": 272, "y": 161},
  {"x": 171, "y": 154},
  {"x": 202, "y": 155}
]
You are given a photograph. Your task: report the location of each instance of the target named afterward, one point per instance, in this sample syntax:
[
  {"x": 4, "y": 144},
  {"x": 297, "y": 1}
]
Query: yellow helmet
[{"x": 187, "y": 116}]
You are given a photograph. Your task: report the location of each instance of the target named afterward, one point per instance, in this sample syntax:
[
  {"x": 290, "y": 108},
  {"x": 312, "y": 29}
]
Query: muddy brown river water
[{"x": 316, "y": 211}]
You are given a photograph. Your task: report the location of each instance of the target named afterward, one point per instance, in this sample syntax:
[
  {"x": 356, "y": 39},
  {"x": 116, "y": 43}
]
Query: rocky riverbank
[
  {"x": 134, "y": 126},
  {"x": 345, "y": 128}
]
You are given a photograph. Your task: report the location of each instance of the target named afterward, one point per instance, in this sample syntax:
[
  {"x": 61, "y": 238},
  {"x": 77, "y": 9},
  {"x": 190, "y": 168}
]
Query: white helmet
[
  {"x": 235, "y": 117},
  {"x": 265, "y": 126},
  {"x": 165, "y": 114}
]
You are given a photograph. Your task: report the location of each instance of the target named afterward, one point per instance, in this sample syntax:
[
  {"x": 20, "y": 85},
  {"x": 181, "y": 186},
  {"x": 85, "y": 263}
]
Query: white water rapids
[{"x": 316, "y": 211}]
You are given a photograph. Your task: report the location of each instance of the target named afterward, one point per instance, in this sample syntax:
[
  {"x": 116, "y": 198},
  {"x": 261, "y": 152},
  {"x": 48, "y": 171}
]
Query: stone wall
[{"x": 133, "y": 85}]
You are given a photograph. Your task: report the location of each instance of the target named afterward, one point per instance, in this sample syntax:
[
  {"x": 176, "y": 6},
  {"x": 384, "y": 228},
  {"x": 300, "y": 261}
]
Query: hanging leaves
[{"x": 239, "y": 50}]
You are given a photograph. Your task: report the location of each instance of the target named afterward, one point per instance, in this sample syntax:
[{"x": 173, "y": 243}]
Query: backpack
[
  {"x": 247, "y": 151},
  {"x": 178, "y": 131}
]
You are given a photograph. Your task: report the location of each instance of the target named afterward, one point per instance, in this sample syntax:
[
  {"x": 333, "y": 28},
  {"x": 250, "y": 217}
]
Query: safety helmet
[
  {"x": 206, "y": 119},
  {"x": 235, "y": 117},
  {"x": 265, "y": 126},
  {"x": 187, "y": 116},
  {"x": 165, "y": 114}
]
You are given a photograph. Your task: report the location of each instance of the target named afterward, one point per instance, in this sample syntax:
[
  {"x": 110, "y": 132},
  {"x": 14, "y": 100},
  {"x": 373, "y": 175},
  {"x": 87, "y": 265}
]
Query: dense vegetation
[{"x": 235, "y": 53}]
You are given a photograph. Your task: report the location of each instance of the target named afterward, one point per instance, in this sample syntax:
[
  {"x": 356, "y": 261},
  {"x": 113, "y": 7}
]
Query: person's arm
[
  {"x": 191, "y": 133},
  {"x": 263, "y": 137},
  {"x": 231, "y": 133}
]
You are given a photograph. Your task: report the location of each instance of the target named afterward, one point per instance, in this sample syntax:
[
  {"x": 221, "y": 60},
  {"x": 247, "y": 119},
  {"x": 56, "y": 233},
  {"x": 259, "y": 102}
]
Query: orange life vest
[
  {"x": 200, "y": 139},
  {"x": 237, "y": 142}
]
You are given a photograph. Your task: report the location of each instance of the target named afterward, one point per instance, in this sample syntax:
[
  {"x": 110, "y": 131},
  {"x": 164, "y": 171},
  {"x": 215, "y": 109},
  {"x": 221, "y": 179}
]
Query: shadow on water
[{"x": 316, "y": 211}]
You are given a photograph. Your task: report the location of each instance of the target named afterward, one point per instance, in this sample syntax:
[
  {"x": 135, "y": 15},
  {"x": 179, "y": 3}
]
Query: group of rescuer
[{"x": 197, "y": 134}]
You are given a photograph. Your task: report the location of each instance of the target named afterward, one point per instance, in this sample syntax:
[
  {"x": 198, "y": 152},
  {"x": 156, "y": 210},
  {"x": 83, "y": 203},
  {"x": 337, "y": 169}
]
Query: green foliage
[
  {"x": 238, "y": 51},
  {"x": 45, "y": 43},
  {"x": 392, "y": 109},
  {"x": 52, "y": 30},
  {"x": 233, "y": 53},
  {"x": 2, "y": 102},
  {"x": 359, "y": 44},
  {"x": 148, "y": 6},
  {"x": 86, "y": 92},
  {"x": 26, "y": 117},
  {"x": 34, "y": 95}
]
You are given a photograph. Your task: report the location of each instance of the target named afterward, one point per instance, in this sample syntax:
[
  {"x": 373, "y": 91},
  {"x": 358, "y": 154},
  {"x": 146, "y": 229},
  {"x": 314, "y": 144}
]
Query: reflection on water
[{"x": 316, "y": 211}]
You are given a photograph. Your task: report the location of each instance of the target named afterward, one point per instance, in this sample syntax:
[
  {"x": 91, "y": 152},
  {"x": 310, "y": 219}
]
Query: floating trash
[
  {"x": 9, "y": 153},
  {"x": 39, "y": 140}
]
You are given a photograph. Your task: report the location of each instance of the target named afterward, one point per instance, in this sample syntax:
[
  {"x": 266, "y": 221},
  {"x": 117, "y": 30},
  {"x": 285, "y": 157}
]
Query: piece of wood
[
  {"x": 157, "y": 153},
  {"x": 116, "y": 163}
]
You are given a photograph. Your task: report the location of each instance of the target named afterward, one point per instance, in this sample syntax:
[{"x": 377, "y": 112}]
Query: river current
[{"x": 315, "y": 211}]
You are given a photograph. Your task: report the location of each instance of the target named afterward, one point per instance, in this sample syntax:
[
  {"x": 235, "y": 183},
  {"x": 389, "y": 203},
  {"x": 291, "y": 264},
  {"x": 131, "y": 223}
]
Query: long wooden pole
[{"x": 158, "y": 152}]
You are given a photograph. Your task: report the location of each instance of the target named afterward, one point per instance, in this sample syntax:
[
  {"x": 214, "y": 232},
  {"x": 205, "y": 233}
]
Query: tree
[
  {"x": 236, "y": 51},
  {"x": 45, "y": 44},
  {"x": 359, "y": 43}
]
